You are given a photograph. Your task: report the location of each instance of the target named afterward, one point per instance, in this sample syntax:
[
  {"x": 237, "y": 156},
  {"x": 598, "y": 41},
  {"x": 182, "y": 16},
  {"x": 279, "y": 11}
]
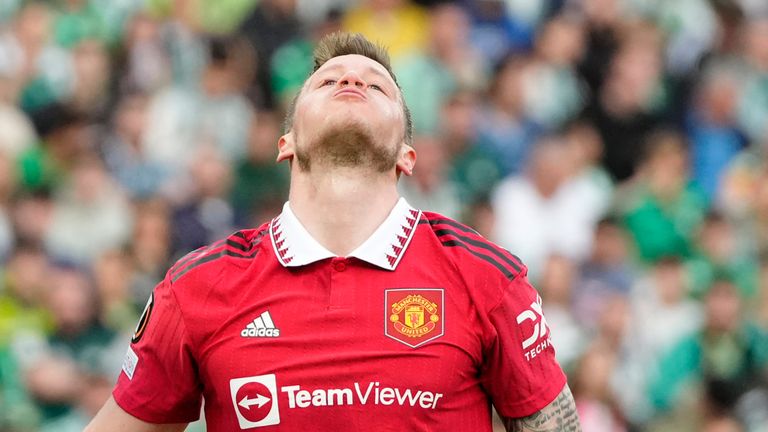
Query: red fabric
[
  {"x": 332, "y": 365},
  {"x": 165, "y": 385}
]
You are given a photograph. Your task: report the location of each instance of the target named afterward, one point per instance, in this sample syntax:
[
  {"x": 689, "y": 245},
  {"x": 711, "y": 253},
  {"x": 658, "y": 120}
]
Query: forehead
[{"x": 356, "y": 62}]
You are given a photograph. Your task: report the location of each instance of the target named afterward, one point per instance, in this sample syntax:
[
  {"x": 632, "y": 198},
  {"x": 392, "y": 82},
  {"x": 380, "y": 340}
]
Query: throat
[{"x": 342, "y": 209}]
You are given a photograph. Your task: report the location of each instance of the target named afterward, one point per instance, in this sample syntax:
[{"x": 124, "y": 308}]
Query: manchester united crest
[{"x": 414, "y": 316}]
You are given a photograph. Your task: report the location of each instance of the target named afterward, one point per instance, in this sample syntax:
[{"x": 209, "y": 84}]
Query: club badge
[{"x": 414, "y": 316}]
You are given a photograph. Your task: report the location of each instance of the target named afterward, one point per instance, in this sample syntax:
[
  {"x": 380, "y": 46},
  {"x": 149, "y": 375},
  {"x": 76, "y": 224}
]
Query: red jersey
[{"x": 421, "y": 329}]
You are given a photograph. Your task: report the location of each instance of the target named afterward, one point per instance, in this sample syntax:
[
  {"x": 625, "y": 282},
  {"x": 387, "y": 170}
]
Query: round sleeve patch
[{"x": 141, "y": 327}]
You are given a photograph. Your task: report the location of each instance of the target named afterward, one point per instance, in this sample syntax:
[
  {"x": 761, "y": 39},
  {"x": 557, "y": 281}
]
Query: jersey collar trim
[{"x": 294, "y": 246}]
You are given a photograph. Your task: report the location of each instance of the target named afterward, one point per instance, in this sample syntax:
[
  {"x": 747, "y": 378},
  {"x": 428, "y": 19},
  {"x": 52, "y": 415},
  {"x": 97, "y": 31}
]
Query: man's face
[{"x": 349, "y": 114}]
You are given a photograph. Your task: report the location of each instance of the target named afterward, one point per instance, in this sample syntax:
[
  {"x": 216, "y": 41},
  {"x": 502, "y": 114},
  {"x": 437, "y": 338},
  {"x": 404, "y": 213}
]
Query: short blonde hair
[{"x": 340, "y": 43}]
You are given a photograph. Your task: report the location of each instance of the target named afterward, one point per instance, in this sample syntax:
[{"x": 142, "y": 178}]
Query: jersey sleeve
[
  {"x": 159, "y": 381},
  {"x": 520, "y": 372}
]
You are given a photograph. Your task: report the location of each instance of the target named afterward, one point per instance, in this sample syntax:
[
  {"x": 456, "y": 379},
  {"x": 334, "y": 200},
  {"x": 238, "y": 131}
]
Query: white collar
[{"x": 294, "y": 245}]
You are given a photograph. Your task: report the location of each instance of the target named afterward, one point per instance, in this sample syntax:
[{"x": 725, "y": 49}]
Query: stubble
[{"x": 347, "y": 146}]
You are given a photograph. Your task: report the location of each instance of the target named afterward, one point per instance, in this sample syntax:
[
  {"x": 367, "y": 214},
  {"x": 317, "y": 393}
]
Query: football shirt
[{"x": 421, "y": 328}]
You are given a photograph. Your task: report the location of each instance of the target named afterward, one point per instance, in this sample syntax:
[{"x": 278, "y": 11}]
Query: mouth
[{"x": 350, "y": 92}]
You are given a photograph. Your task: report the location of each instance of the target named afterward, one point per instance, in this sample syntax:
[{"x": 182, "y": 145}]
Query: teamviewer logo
[{"x": 255, "y": 401}]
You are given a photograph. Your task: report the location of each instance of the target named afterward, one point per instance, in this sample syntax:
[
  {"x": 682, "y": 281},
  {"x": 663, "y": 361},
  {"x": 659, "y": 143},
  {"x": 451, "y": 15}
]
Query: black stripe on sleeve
[
  {"x": 213, "y": 257},
  {"x": 483, "y": 245},
  {"x": 238, "y": 246},
  {"x": 449, "y": 222},
  {"x": 191, "y": 256},
  {"x": 482, "y": 256}
]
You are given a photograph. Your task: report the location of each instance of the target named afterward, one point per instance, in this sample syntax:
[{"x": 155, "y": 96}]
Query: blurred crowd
[{"x": 619, "y": 147}]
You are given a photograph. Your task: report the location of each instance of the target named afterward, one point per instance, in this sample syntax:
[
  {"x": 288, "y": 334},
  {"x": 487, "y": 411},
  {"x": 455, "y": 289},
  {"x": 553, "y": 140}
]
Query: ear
[
  {"x": 285, "y": 147},
  {"x": 406, "y": 160}
]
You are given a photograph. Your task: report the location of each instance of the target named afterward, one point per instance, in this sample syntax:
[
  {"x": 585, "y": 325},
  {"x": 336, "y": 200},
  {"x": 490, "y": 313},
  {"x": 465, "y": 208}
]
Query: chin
[{"x": 347, "y": 142}]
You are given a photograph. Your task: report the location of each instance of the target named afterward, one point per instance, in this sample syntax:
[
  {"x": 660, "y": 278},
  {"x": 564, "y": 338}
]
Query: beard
[{"x": 350, "y": 145}]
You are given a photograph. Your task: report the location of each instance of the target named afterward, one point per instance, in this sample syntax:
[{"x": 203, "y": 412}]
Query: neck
[{"x": 342, "y": 207}]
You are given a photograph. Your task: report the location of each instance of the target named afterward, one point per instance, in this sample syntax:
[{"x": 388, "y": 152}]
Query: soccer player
[{"x": 351, "y": 310}]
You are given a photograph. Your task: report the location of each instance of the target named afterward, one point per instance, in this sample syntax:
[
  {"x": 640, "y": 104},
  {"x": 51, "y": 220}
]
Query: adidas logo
[{"x": 261, "y": 327}]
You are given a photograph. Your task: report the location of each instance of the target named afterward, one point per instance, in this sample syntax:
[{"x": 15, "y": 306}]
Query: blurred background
[{"x": 617, "y": 146}]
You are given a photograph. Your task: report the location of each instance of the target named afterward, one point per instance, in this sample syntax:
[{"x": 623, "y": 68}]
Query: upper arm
[
  {"x": 559, "y": 415},
  {"x": 519, "y": 372},
  {"x": 112, "y": 418},
  {"x": 159, "y": 381}
]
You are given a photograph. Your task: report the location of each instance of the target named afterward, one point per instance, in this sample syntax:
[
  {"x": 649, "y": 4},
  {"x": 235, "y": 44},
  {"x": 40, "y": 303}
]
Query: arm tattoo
[{"x": 560, "y": 415}]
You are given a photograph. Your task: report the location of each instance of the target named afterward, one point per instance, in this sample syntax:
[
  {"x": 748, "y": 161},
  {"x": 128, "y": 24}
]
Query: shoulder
[
  {"x": 238, "y": 249},
  {"x": 470, "y": 251}
]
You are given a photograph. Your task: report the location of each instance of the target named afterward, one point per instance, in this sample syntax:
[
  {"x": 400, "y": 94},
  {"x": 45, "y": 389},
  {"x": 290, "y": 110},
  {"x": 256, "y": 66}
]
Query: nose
[{"x": 351, "y": 78}]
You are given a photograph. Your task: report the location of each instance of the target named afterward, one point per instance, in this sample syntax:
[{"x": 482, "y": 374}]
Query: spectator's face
[
  {"x": 69, "y": 142},
  {"x": 610, "y": 245},
  {"x": 32, "y": 217},
  {"x": 669, "y": 281},
  {"x": 557, "y": 280},
  {"x": 285, "y": 6},
  {"x": 152, "y": 235},
  {"x": 211, "y": 173},
  {"x": 449, "y": 26},
  {"x": 432, "y": 161},
  {"x": 602, "y": 12},
  {"x": 458, "y": 118},
  {"x": 131, "y": 118},
  {"x": 561, "y": 42},
  {"x": 112, "y": 274},
  {"x": 595, "y": 372},
  {"x": 757, "y": 43},
  {"x": 91, "y": 62},
  {"x": 28, "y": 272},
  {"x": 549, "y": 167},
  {"x": 509, "y": 88},
  {"x": 718, "y": 240},
  {"x": 33, "y": 25},
  {"x": 71, "y": 300},
  {"x": 719, "y": 98},
  {"x": 723, "y": 307},
  {"x": 264, "y": 132},
  {"x": 349, "y": 114},
  {"x": 614, "y": 319},
  {"x": 89, "y": 181},
  {"x": 667, "y": 168},
  {"x": 635, "y": 70},
  {"x": 384, "y": 4},
  {"x": 7, "y": 177},
  {"x": 586, "y": 145}
]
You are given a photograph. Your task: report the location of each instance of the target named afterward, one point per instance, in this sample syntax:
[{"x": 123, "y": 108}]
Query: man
[{"x": 351, "y": 310}]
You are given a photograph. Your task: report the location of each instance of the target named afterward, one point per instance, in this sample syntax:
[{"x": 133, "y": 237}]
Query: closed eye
[{"x": 376, "y": 87}]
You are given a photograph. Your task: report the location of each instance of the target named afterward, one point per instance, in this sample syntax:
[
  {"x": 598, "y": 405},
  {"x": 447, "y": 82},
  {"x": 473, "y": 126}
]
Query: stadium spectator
[
  {"x": 608, "y": 271},
  {"x": 400, "y": 25},
  {"x": 628, "y": 105},
  {"x": 553, "y": 93},
  {"x": 449, "y": 61},
  {"x": 540, "y": 211},
  {"x": 713, "y": 130},
  {"x": 259, "y": 186},
  {"x": 73, "y": 374},
  {"x": 556, "y": 286},
  {"x": 663, "y": 209},
  {"x": 90, "y": 214},
  {"x": 721, "y": 362},
  {"x": 430, "y": 188},
  {"x": 474, "y": 169},
  {"x": 504, "y": 128},
  {"x": 133, "y": 93}
]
